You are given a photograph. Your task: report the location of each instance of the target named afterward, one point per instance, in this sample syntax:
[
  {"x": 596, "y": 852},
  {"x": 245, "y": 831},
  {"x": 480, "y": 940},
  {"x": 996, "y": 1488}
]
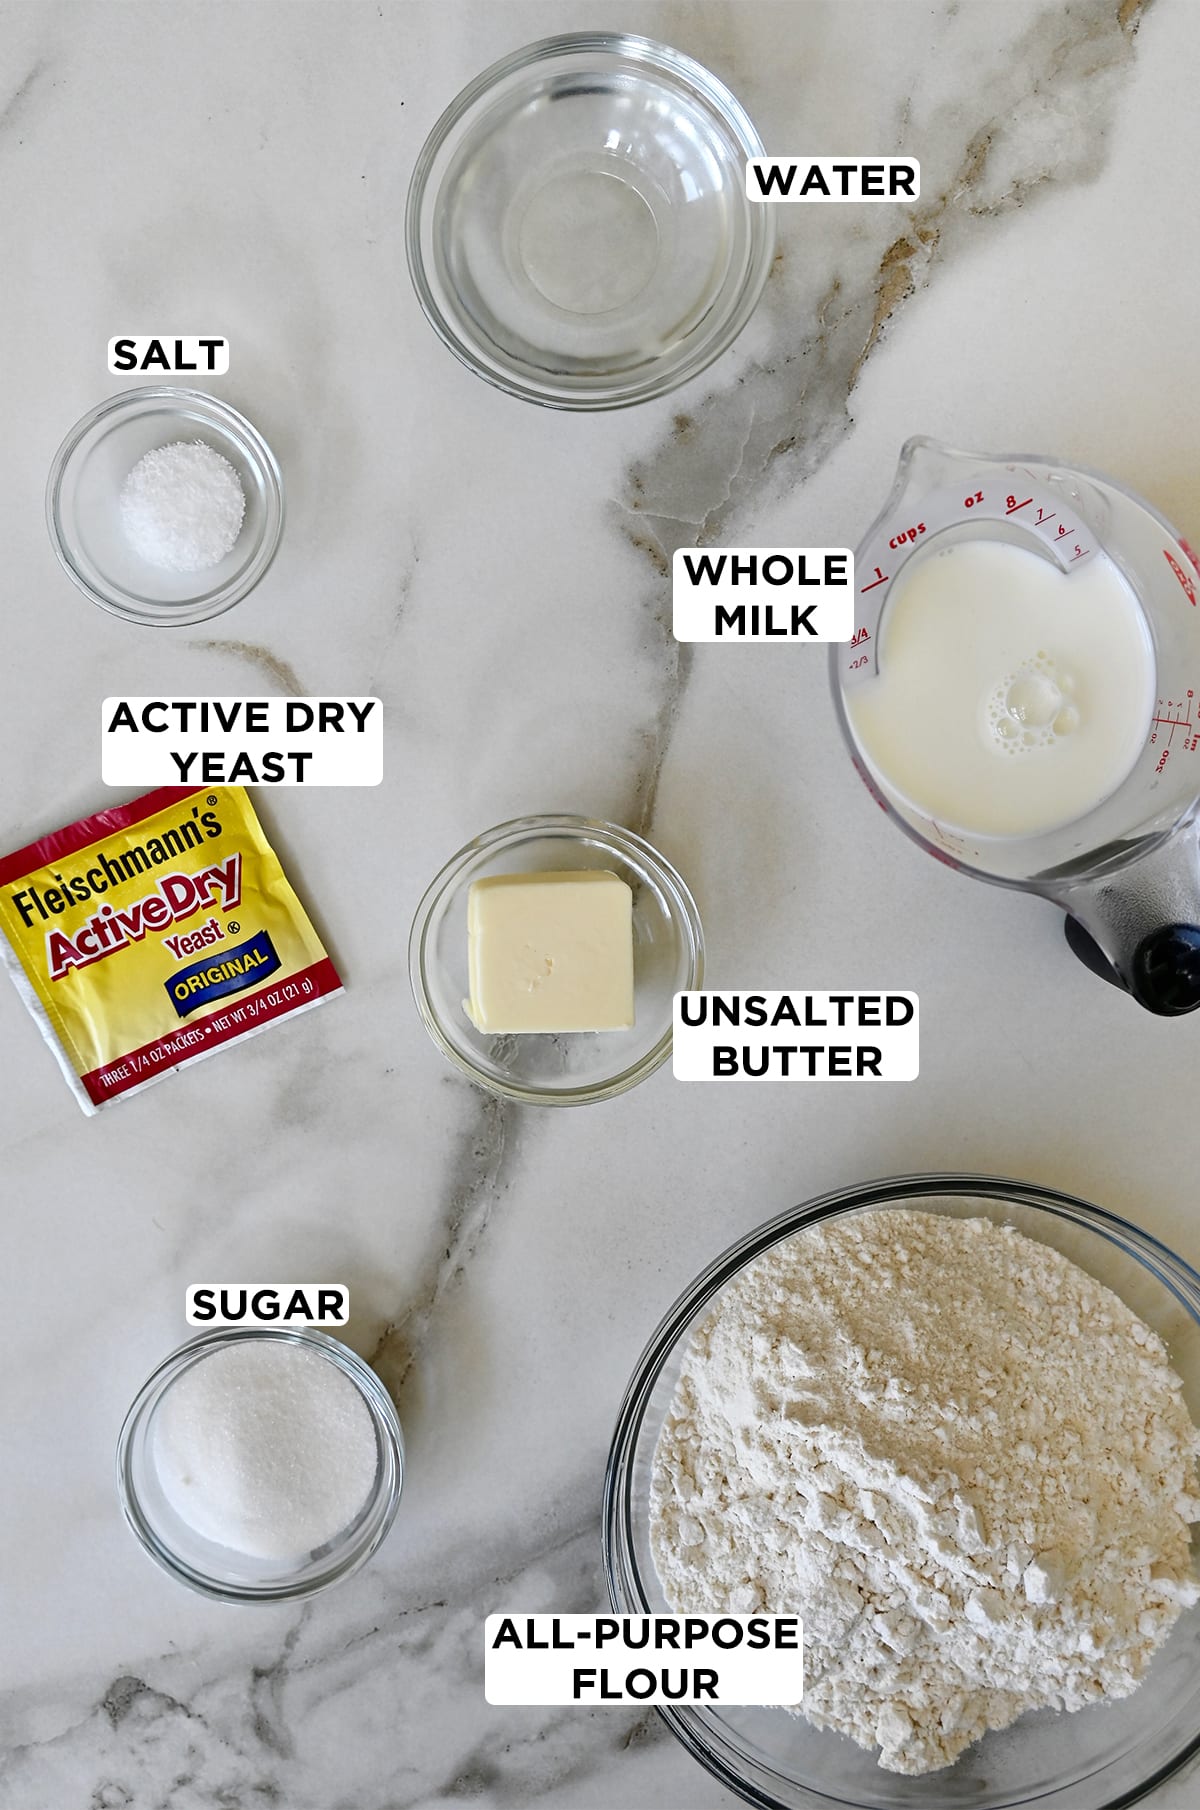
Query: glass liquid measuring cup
[{"x": 1128, "y": 872}]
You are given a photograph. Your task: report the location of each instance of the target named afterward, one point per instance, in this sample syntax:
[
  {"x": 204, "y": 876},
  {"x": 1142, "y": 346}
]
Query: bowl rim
[
  {"x": 668, "y": 61},
  {"x": 617, "y": 1539},
  {"x": 223, "y": 415},
  {"x": 389, "y": 1481},
  {"x": 511, "y": 834}
]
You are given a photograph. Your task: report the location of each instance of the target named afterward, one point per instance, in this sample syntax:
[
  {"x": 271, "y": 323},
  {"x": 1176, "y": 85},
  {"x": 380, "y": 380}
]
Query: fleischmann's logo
[{"x": 106, "y": 872}]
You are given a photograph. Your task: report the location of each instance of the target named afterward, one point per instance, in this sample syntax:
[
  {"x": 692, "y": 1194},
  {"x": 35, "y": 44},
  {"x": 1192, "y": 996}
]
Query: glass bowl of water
[{"x": 578, "y": 227}]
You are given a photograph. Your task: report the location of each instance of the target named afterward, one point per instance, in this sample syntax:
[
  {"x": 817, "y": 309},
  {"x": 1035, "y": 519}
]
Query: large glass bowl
[
  {"x": 1098, "y": 1758},
  {"x": 578, "y": 227}
]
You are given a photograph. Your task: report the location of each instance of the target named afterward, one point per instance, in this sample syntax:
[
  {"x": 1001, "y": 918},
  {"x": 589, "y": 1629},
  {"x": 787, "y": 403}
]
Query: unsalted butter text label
[
  {"x": 796, "y": 1037},
  {"x": 267, "y": 1304},
  {"x": 173, "y": 352},
  {"x": 878, "y": 178},
  {"x": 776, "y": 595},
  {"x": 242, "y": 741},
  {"x": 594, "y": 1660}
]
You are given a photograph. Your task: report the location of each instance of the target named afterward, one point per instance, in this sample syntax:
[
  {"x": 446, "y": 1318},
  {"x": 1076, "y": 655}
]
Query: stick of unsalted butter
[{"x": 550, "y": 952}]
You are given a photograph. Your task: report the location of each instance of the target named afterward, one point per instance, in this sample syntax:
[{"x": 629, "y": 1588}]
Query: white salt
[
  {"x": 182, "y": 507},
  {"x": 266, "y": 1447}
]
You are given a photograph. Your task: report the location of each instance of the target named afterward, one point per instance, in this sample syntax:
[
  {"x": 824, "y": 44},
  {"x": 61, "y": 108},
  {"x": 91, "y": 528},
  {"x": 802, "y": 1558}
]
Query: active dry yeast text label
[
  {"x": 795, "y": 1037},
  {"x": 594, "y": 1660},
  {"x": 269, "y": 741}
]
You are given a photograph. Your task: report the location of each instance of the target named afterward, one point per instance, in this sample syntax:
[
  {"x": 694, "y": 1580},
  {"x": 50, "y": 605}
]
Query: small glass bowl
[
  {"x": 578, "y": 227},
  {"x": 574, "y": 1068},
  {"x": 1099, "y": 1758},
  {"x": 218, "y": 1571},
  {"x": 83, "y": 510}
]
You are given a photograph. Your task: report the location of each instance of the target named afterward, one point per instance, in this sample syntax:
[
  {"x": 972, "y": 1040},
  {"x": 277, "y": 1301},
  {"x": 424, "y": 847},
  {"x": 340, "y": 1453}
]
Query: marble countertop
[{"x": 495, "y": 573}]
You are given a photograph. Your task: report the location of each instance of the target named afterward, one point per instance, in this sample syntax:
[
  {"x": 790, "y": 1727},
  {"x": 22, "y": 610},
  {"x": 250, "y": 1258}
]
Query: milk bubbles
[{"x": 1033, "y": 705}]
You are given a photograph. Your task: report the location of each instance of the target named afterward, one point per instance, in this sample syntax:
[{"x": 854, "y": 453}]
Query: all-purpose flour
[{"x": 966, "y": 1464}]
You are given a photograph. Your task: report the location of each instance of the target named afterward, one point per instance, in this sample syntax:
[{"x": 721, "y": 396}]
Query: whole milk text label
[{"x": 151, "y": 934}]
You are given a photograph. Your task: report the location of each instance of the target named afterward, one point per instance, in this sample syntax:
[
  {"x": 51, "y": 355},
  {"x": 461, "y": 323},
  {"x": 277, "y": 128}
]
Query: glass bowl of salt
[
  {"x": 165, "y": 506},
  {"x": 261, "y": 1465}
]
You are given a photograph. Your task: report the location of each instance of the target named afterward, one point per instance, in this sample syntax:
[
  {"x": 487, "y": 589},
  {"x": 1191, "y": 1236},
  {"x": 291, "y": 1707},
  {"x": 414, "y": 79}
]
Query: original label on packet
[{"x": 153, "y": 933}]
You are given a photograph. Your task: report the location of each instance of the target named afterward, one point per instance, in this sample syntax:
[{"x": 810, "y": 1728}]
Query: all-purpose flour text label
[
  {"x": 595, "y": 1660},
  {"x": 877, "y": 178},
  {"x": 796, "y": 1037},
  {"x": 777, "y": 595},
  {"x": 242, "y": 741},
  {"x": 169, "y": 352}
]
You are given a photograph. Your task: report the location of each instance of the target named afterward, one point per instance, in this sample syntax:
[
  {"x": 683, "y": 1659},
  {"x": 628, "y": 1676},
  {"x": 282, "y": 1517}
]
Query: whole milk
[{"x": 1010, "y": 697}]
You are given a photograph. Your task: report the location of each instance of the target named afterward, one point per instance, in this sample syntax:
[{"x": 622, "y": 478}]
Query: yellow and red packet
[{"x": 155, "y": 933}]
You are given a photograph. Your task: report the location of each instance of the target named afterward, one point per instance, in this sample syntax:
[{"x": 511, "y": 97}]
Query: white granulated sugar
[
  {"x": 182, "y": 507},
  {"x": 965, "y": 1464},
  {"x": 265, "y": 1447}
]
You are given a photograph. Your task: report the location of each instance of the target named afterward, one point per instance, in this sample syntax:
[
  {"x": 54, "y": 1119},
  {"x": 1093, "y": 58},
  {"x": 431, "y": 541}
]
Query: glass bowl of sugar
[
  {"x": 165, "y": 506},
  {"x": 260, "y": 1465}
]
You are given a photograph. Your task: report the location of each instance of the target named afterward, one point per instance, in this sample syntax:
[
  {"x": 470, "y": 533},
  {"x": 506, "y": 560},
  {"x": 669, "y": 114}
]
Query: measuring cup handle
[
  {"x": 1166, "y": 970},
  {"x": 1138, "y": 924},
  {"x": 1084, "y": 945}
]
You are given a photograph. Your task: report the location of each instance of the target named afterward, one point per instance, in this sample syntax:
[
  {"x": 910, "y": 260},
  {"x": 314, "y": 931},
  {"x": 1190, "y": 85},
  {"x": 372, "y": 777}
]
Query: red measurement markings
[
  {"x": 1172, "y": 714},
  {"x": 1011, "y": 504},
  {"x": 1182, "y": 576},
  {"x": 860, "y": 635},
  {"x": 1063, "y": 531},
  {"x": 1045, "y": 516},
  {"x": 1080, "y": 552},
  {"x": 879, "y": 578}
]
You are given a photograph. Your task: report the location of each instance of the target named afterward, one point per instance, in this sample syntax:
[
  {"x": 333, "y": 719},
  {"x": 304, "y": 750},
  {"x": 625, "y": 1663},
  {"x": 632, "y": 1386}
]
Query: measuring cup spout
[{"x": 1139, "y": 926}]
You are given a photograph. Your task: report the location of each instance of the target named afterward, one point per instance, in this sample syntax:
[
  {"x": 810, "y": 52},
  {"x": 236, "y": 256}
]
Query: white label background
[
  {"x": 284, "y": 1291},
  {"x": 693, "y": 606},
  {"x": 693, "y": 1045},
  {"x": 536, "y": 1679},
  {"x": 832, "y": 179},
  {"x": 143, "y": 757},
  {"x": 193, "y": 353}
]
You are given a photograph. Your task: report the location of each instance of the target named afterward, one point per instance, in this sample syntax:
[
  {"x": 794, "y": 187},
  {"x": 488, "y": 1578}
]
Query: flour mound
[{"x": 965, "y": 1464}]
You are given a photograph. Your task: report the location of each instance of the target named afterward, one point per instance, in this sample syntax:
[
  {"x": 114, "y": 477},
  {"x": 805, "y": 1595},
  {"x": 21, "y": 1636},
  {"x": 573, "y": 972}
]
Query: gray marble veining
[{"x": 498, "y": 575}]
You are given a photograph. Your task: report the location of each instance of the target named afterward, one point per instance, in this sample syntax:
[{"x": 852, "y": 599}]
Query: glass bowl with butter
[{"x": 546, "y": 955}]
